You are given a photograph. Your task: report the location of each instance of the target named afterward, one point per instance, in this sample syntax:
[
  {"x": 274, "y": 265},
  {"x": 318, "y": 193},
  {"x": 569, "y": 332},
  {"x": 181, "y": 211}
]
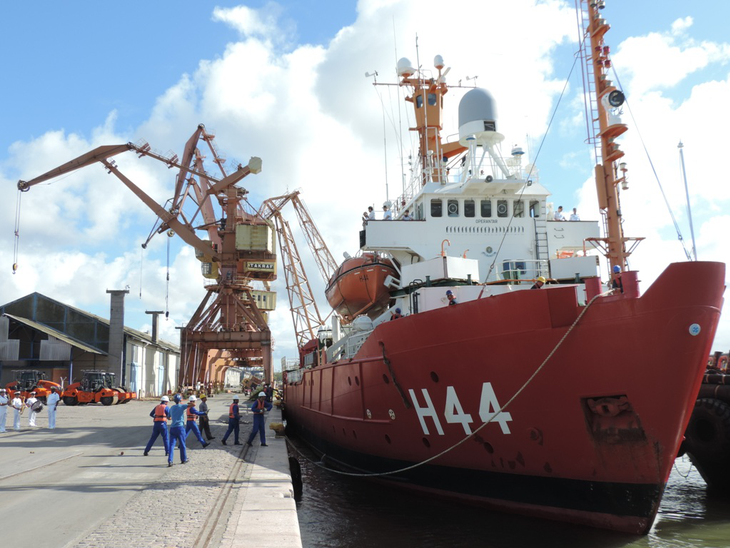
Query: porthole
[
  {"x": 426, "y": 442},
  {"x": 434, "y": 376}
]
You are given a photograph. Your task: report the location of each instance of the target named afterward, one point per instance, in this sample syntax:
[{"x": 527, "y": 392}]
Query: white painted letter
[
  {"x": 427, "y": 411},
  {"x": 453, "y": 411},
  {"x": 489, "y": 407}
]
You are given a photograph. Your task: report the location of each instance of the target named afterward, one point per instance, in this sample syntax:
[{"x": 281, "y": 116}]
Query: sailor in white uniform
[
  {"x": 3, "y": 408},
  {"x": 29, "y": 404},
  {"x": 17, "y": 405},
  {"x": 52, "y": 404}
]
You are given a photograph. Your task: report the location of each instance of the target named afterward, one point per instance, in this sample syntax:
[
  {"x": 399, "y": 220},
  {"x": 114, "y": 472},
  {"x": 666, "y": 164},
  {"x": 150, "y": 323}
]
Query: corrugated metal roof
[{"x": 56, "y": 334}]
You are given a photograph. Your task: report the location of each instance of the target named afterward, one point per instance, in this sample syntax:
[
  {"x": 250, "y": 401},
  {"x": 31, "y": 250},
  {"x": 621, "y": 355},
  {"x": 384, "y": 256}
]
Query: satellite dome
[
  {"x": 405, "y": 67},
  {"x": 478, "y": 118}
]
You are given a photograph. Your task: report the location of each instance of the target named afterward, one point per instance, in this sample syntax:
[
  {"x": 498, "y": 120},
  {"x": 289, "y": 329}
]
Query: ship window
[
  {"x": 431, "y": 99},
  {"x": 419, "y": 101},
  {"x": 519, "y": 208},
  {"x": 419, "y": 211},
  {"x": 436, "y": 208},
  {"x": 486, "y": 206},
  {"x": 469, "y": 208},
  {"x": 534, "y": 209},
  {"x": 502, "y": 208},
  {"x": 453, "y": 208}
]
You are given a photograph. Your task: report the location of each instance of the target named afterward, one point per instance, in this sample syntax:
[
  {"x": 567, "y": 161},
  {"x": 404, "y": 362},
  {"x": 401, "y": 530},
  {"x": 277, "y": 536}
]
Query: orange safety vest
[
  {"x": 231, "y": 414},
  {"x": 191, "y": 416},
  {"x": 160, "y": 415}
]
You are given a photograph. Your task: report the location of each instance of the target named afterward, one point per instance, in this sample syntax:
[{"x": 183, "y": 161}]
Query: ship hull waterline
[{"x": 589, "y": 439}]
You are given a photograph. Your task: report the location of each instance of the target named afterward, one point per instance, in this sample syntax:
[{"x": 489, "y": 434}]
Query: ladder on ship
[{"x": 542, "y": 253}]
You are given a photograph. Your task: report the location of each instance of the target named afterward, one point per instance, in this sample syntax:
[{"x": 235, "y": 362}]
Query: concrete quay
[{"x": 88, "y": 484}]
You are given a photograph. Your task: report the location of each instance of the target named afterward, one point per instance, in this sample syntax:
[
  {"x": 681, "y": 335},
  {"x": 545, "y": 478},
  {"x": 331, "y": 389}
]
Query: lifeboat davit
[{"x": 358, "y": 286}]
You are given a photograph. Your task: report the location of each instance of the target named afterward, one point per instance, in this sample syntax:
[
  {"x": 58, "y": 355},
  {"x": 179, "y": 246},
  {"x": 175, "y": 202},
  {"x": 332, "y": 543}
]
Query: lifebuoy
[
  {"x": 722, "y": 362},
  {"x": 707, "y": 441}
]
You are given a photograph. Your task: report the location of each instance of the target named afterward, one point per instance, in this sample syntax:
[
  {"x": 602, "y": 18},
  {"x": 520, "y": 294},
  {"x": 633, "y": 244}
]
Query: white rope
[{"x": 457, "y": 444}]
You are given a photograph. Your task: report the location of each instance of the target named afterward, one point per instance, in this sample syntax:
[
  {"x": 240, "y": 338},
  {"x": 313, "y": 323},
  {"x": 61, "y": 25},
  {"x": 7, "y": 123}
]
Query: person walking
[
  {"x": 177, "y": 430},
  {"x": 52, "y": 404},
  {"x": 193, "y": 414},
  {"x": 17, "y": 405},
  {"x": 3, "y": 409},
  {"x": 160, "y": 415},
  {"x": 234, "y": 414},
  {"x": 29, "y": 403},
  {"x": 259, "y": 407},
  {"x": 204, "y": 422}
]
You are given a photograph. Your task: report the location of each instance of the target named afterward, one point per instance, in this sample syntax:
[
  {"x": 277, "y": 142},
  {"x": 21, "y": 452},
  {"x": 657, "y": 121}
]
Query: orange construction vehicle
[
  {"x": 30, "y": 380},
  {"x": 96, "y": 387}
]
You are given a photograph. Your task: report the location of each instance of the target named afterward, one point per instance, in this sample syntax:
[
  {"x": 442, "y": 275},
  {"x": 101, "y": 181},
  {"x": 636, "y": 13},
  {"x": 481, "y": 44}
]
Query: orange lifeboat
[{"x": 358, "y": 286}]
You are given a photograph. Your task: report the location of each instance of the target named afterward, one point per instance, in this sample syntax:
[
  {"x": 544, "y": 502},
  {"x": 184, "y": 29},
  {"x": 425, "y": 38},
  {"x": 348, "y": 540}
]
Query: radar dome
[
  {"x": 405, "y": 68},
  {"x": 478, "y": 118}
]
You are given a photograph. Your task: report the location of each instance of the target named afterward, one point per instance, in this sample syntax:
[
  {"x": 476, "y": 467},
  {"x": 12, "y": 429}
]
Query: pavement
[{"x": 89, "y": 485}]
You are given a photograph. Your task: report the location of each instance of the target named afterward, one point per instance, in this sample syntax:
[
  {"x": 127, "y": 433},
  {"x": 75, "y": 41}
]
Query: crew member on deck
[
  {"x": 559, "y": 214},
  {"x": 539, "y": 283},
  {"x": 616, "y": 282},
  {"x": 450, "y": 297},
  {"x": 387, "y": 214},
  {"x": 395, "y": 315}
]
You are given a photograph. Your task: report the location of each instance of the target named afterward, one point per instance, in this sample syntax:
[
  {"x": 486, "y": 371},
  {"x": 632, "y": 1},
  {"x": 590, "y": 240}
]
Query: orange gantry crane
[
  {"x": 239, "y": 249},
  {"x": 305, "y": 313}
]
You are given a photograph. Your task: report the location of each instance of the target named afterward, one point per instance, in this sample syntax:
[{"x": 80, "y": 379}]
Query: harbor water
[{"x": 337, "y": 511}]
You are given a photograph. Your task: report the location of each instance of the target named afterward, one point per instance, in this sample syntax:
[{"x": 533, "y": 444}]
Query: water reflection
[{"x": 342, "y": 512}]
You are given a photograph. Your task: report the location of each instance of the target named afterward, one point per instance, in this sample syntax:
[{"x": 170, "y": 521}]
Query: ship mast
[
  {"x": 428, "y": 100},
  {"x": 604, "y": 99}
]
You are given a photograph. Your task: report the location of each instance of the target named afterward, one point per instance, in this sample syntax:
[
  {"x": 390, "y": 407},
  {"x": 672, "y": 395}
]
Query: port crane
[
  {"x": 230, "y": 325},
  {"x": 238, "y": 250}
]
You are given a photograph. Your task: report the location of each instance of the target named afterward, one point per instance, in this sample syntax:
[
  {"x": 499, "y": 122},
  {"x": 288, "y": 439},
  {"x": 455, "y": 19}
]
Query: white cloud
[{"x": 317, "y": 122}]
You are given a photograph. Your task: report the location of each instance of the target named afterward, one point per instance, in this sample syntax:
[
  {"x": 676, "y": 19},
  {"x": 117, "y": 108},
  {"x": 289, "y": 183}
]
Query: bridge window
[
  {"x": 453, "y": 208},
  {"x": 534, "y": 209},
  {"x": 469, "y": 208},
  {"x": 486, "y": 206},
  {"x": 519, "y": 208},
  {"x": 502, "y": 208},
  {"x": 436, "y": 208}
]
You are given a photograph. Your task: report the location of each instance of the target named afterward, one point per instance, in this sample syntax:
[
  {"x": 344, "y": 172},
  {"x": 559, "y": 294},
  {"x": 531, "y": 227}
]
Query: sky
[{"x": 286, "y": 81}]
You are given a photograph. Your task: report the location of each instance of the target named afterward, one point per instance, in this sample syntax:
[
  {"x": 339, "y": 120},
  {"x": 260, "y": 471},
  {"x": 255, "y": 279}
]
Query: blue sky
[{"x": 285, "y": 81}]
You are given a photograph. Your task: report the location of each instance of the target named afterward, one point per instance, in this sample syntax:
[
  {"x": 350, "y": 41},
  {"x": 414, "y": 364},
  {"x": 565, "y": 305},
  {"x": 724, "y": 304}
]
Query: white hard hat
[
  {"x": 192, "y": 398},
  {"x": 235, "y": 398},
  {"x": 165, "y": 398}
]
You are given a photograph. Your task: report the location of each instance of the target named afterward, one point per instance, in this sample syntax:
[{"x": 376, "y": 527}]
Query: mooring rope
[{"x": 527, "y": 383}]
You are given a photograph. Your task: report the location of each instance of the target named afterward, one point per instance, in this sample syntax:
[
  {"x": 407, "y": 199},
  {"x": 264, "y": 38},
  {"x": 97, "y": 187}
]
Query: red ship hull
[{"x": 590, "y": 437}]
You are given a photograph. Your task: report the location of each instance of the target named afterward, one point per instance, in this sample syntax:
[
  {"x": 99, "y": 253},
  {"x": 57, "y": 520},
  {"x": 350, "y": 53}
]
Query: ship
[{"x": 496, "y": 368}]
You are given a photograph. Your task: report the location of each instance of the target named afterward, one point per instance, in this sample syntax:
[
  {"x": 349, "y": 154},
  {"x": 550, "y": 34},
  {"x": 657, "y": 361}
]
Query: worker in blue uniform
[
  {"x": 192, "y": 415},
  {"x": 160, "y": 415},
  {"x": 259, "y": 407},
  {"x": 177, "y": 430},
  {"x": 234, "y": 415}
]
